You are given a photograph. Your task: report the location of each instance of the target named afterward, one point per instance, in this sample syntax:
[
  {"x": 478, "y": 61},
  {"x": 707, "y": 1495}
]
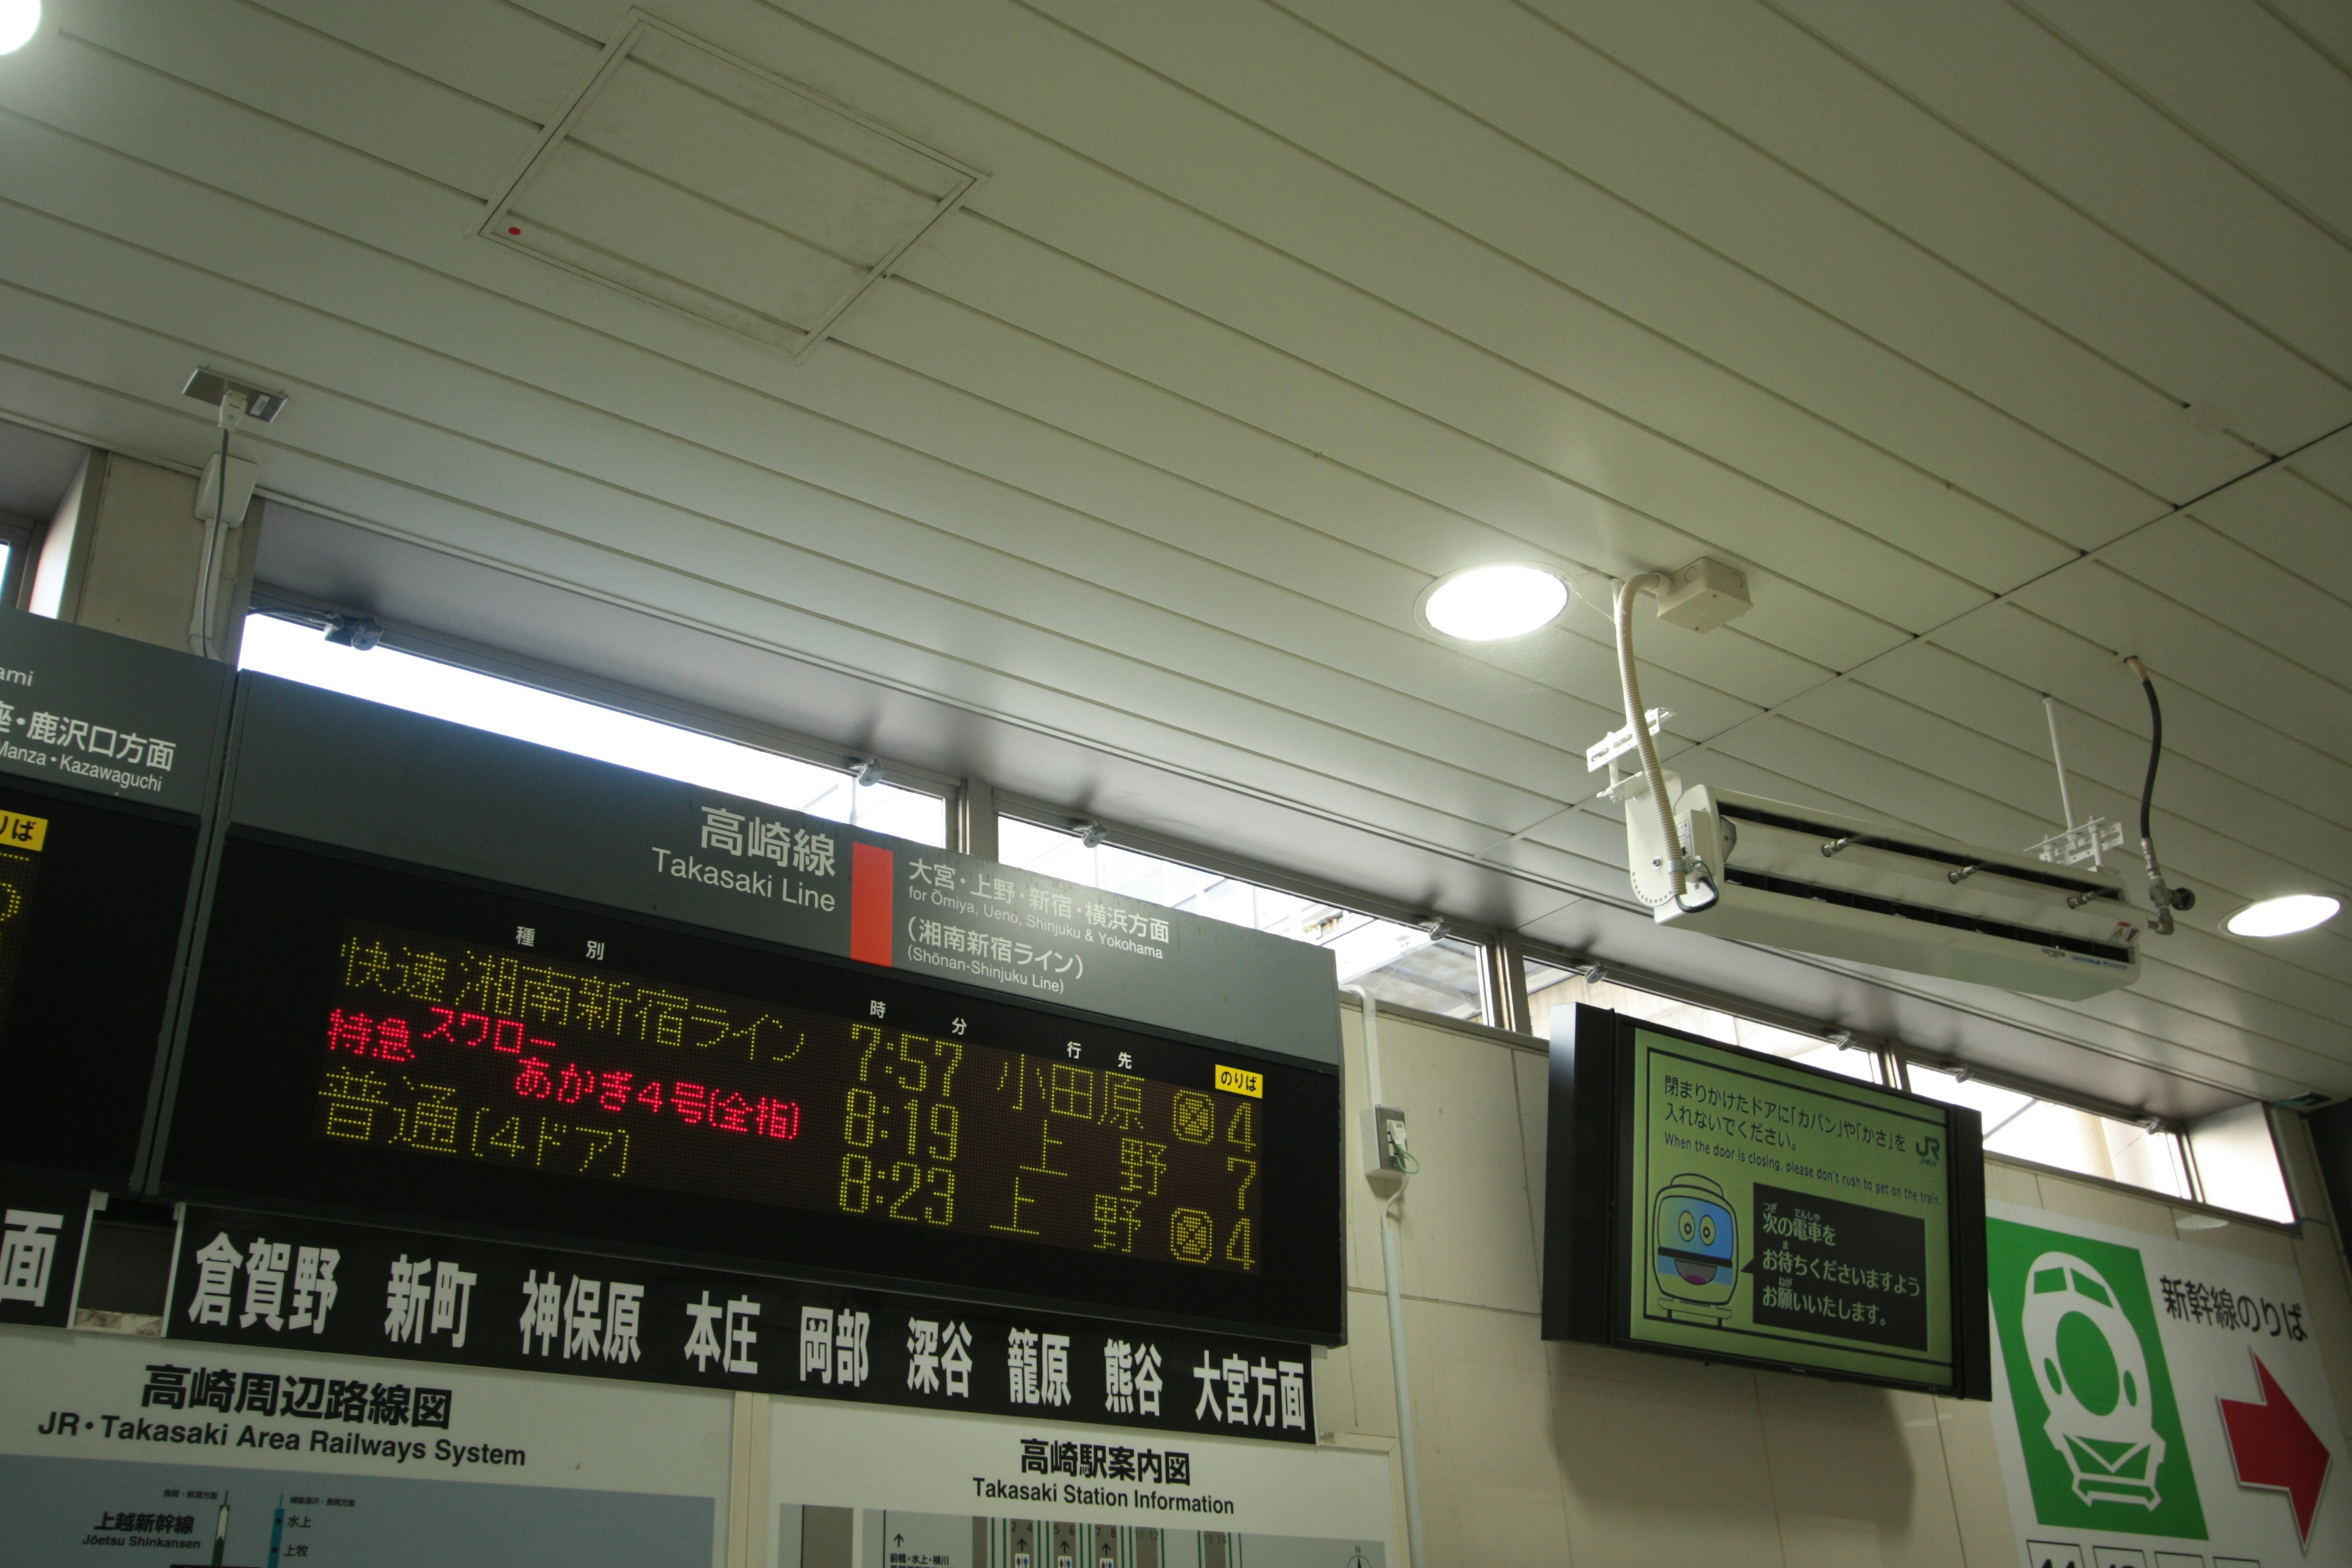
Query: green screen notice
[{"x": 1777, "y": 1217}]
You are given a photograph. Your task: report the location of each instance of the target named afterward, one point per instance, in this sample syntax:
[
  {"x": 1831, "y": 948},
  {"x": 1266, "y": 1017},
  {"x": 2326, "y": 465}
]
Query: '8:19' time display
[{"x": 457, "y": 1052}]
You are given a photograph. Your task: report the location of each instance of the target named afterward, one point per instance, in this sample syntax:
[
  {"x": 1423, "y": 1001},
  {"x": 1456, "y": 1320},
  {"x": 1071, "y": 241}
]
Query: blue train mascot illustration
[{"x": 1695, "y": 1244}]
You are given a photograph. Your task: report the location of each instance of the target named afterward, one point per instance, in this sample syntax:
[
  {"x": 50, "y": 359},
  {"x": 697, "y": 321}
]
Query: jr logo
[{"x": 2087, "y": 1379}]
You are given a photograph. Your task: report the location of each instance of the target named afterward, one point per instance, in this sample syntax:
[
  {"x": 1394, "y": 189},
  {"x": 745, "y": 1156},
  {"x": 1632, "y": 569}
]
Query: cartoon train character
[{"x": 1697, "y": 1252}]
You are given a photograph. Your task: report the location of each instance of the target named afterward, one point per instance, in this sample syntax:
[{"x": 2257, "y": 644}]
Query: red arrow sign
[{"x": 2272, "y": 1445}]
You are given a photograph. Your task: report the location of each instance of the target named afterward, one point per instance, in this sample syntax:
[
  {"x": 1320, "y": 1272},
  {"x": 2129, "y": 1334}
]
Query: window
[
  {"x": 1550, "y": 987},
  {"x": 398, "y": 680},
  {"x": 16, "y": 559},
  {"x": 1396, "y": 962},
  {"x": 2238, "y": 1163},
  {"x": 2047, "y": 1133}
]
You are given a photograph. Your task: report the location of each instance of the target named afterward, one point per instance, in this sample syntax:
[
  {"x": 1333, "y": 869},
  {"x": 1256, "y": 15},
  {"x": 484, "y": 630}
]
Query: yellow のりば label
[
  {"x": 18, "y": 831},
  {"x": 1234, "y": 1080}
]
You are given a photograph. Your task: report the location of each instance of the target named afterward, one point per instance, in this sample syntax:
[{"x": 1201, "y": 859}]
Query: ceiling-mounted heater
[
  {"x": 1872, "y": 892},
  {"x": 1750, "y": 869}
]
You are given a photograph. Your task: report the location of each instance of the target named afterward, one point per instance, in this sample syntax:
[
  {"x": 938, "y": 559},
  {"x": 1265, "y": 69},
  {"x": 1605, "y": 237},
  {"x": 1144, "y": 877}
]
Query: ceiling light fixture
[
  {"x": 19, "y": 20},
  {"x": 1488, "y": 603},
  {"x": 2284, "y": 917}
]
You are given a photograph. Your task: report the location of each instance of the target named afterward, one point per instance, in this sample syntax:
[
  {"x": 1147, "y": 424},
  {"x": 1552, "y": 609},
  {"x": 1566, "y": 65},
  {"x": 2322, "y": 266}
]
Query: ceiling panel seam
[
  {"x": 293, "y": 374},
  {"x": 2156, "y": 105},
  {"x": 1317, "y": 721},
  {"x": 182, "y": 261},
  {"x": 2084, "y": 761},
  {"x": 1132, "y": 183},
  {"x": 345, "y": 44},
  {"x": 134, "y": 63},
  {"x": 2186, "y": 864},
  {"x": 304, "y": 131},
  {"x": 2023, "y": 426},
  {"x": 485, "y": 291},
  {"x": 2341, "y": 63},
  {"x": 1662, "y": 338},
  {"x": 1485, "y": 443},
  {"x": 175, "y": 415},
  {"x": 2220, "y": 628},
  {"x": 1829, "y": 192},
  {"x": 88, "y": 27},
  {"x": 2019, "y": 760},
  {"x": 2248, "y": 321},
  {"x": 2089, "y": 557},
  {"x": 2084, "y": 1012},
  {"x": 2296, "y": 970}
]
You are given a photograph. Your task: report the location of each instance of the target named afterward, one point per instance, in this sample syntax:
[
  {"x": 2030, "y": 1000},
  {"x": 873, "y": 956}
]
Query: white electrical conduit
[
  {"x": 1646, "y": 743},
  {"x": 208, "y": 568},
  {"x": 1408, "y": 1456}
]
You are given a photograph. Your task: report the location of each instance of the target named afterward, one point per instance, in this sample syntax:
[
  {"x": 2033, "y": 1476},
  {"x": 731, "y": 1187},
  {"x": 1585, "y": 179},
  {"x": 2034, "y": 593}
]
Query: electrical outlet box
[
  {"x": 1385, "y": 1153},
  {"x": 1705, "y": 595}
]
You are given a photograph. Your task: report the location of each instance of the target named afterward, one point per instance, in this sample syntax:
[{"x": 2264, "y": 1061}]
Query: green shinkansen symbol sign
[{"x": 2096, "y": 1418}]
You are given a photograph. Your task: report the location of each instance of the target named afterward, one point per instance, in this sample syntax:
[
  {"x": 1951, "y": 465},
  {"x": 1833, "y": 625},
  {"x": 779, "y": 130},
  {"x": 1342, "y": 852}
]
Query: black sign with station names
[
  {"x": 249, "y": 1279},
  {"x": 40, "y": 1250}
]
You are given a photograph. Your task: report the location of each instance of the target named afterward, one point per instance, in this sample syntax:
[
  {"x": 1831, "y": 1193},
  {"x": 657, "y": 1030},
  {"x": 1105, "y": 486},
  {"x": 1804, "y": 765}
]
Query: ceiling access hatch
[{"x": 683, "y": 175}]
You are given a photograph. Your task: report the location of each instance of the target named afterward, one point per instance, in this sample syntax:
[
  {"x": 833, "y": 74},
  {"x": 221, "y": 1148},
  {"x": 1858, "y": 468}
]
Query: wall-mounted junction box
[{"x": 1387, "y": 1160}]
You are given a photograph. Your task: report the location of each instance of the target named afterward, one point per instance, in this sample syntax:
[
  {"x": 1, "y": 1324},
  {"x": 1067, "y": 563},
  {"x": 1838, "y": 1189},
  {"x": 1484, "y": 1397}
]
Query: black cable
[
  {"x": 2155, "y": 745},
  {"x": 2162, "y": 898}
]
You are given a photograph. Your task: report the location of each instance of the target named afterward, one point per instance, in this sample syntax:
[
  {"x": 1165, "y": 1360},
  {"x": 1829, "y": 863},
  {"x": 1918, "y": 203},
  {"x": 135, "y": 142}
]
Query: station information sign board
[
  {"x": 1719, "y": 1203},
  {"x": 107, "y": 755},
  {"x": 541, "y": 1029}
]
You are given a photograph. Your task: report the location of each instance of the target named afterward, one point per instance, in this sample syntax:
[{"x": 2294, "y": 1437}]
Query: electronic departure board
[
  {"x": 106, "y": 755},
  {"x": 1709, "y": 1201},
  {"x": 449, "y": 978},
  {"x": 378, "y": 1040},
  {"x": 820, "y": 1101}
]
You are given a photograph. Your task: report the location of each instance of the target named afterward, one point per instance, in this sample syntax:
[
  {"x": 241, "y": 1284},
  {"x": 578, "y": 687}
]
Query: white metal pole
[
  {"x": 1408, "y": 1453},
  {"x": 2065, "y": 801}
]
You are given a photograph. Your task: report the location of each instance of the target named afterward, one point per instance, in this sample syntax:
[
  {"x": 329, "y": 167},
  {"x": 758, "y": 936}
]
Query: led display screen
[
  {"x": 443, "y": 1048},
  {"x": 92, "y": 896},
  {"x": 370, "y": 1038},
  {"x": 1719, "y": 1203}
]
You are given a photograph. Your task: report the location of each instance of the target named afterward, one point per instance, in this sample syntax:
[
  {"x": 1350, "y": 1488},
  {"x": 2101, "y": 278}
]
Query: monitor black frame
[
  {"x": 136, "y": 891},
  {"x": 1589, "y": 1219}
]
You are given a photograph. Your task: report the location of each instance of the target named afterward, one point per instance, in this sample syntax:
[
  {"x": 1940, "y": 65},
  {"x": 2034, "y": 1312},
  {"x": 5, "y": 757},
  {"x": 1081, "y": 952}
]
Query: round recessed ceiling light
[
  {"x": 19, "y": 20},
  {"x": 2284, "y": 917},
  {"x": 1487, "y": 604}
]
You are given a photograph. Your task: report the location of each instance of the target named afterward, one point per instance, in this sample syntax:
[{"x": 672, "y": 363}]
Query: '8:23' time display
[{"x": 446, "y": 1049}]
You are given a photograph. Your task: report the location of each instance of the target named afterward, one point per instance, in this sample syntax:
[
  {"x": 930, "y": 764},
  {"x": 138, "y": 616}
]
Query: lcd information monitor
[
  {"x": 1708, "y": 1201},
  {"x": 393, "y": 1039}
]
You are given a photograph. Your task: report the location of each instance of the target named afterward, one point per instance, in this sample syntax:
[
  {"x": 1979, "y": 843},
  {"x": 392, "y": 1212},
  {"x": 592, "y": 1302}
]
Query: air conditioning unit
[{"x": 1874, "y": 892}]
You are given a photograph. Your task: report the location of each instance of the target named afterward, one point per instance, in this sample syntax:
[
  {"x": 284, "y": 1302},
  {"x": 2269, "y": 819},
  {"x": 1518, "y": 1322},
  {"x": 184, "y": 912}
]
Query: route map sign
[
  {"x": 1719, "y": 1203},
  {"x": 544, "y": 1024}
]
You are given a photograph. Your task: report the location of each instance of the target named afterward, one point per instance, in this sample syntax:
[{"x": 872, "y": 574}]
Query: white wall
[{"x": 1537, "y": 1453}]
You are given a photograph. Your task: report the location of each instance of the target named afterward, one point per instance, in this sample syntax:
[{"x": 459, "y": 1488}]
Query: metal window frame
[
  {"x": 1495, "y": 987},
  {"x": 971, "y": 806},
  {"x": 1896, "y": 1061},
  {"x": 461, "y": 653},
  {"x": 22, "y": 540}
]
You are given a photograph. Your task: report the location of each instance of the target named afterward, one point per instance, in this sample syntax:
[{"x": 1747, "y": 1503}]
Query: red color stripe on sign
[{"x": 871, "y": 874}]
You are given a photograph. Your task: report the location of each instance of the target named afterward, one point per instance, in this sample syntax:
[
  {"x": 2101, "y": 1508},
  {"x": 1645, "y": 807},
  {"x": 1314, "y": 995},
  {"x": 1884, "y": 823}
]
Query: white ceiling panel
[
  {"x": 1994, "y": 340},
  {"x": 1830, "y": 118},
  {"x": 2237, "y": 76}
]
